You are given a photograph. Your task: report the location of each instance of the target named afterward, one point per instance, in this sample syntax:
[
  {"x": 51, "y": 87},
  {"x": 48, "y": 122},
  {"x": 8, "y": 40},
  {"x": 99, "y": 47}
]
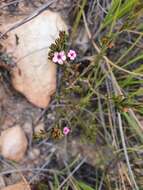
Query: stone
[
  {"x": 34, "y": 75},
  {"x": 34, "y": 154},
  {"x": 18, "y": 186},
  {"x": 13, "y": 143},
  {"x": 2, "y": 182}
]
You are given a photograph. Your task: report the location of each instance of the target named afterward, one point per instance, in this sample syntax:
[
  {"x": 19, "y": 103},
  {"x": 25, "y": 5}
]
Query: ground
[{"x": 99, "y": 97}]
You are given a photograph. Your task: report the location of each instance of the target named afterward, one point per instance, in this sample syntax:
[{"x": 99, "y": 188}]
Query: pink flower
[
  {"x": 72, "y": 54},
  {"x": 66, "y": 130},
  {"x": 59, "y": 57}
]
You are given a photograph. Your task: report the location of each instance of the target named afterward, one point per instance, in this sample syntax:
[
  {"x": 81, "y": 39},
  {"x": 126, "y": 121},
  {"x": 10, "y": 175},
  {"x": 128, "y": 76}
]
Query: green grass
[
  {"x": 99, "y": 92},
  {"x": 101, "y": 95}
]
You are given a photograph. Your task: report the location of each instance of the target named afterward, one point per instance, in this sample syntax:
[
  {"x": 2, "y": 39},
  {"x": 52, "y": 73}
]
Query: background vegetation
[{"x": 100, "y": 98}]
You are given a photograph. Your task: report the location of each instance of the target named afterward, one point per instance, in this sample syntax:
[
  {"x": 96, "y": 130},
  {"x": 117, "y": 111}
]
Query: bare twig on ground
[
  {"x": 71, "y": 174},
  {"x": 30, "y": 17}
]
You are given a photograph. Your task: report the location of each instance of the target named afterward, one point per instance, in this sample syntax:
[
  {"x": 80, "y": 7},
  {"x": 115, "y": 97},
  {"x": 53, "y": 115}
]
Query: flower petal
[
  {"x": 60, "y": 61},
  {"x": 54, "y": 59},
  {"x": 66, "y": 130}
]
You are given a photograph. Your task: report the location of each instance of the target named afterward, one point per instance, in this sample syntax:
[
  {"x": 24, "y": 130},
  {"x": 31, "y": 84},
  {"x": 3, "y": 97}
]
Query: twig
[
  {"x": 125, "y": 152},
  {"x": 108, "y": 61},
  {"x": 27, "y": 169},
  {"x": 102, "y": 8},
  {"x": 117, "y": 92},
  {"x": 71, "y": 174},
  {"x": 43, "y": 112},
  {"x": 30, "y": 17},
  {"x": 44, "y": 165}
]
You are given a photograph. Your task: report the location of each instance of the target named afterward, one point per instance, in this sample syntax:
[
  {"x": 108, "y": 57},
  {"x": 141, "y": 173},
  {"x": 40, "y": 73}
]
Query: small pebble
[
  {"x": 13, "y": 143},
  {"x": 39, "y": 128},
  {"x": 34, "y": 153}
]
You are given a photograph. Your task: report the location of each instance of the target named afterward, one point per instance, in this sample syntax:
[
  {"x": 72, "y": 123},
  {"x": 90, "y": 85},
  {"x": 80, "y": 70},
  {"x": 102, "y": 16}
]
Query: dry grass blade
[
  {"x": 135, "y": 186},
  {"x": 71, "y": 174}
]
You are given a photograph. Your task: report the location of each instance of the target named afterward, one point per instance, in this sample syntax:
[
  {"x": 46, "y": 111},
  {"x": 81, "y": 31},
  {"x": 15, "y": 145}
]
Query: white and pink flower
[
  {"x": 59, "y": 57},
  {"x": 66, "y": 130},
  {"x": 72, "y": 55}
]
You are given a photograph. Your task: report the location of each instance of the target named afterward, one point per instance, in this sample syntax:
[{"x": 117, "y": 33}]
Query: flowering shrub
[
  {"x": 59, "y": 54},
  {"x": 58, "y": 50},
  {"x": 60, "y": 57}
]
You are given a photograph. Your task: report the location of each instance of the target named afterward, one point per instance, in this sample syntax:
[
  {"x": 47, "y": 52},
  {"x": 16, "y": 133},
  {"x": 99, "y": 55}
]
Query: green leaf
[
  {"x": 134, "y": 126},
  {"x": 126, "y": 8},
  {"x": 84, "y": 186}
]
